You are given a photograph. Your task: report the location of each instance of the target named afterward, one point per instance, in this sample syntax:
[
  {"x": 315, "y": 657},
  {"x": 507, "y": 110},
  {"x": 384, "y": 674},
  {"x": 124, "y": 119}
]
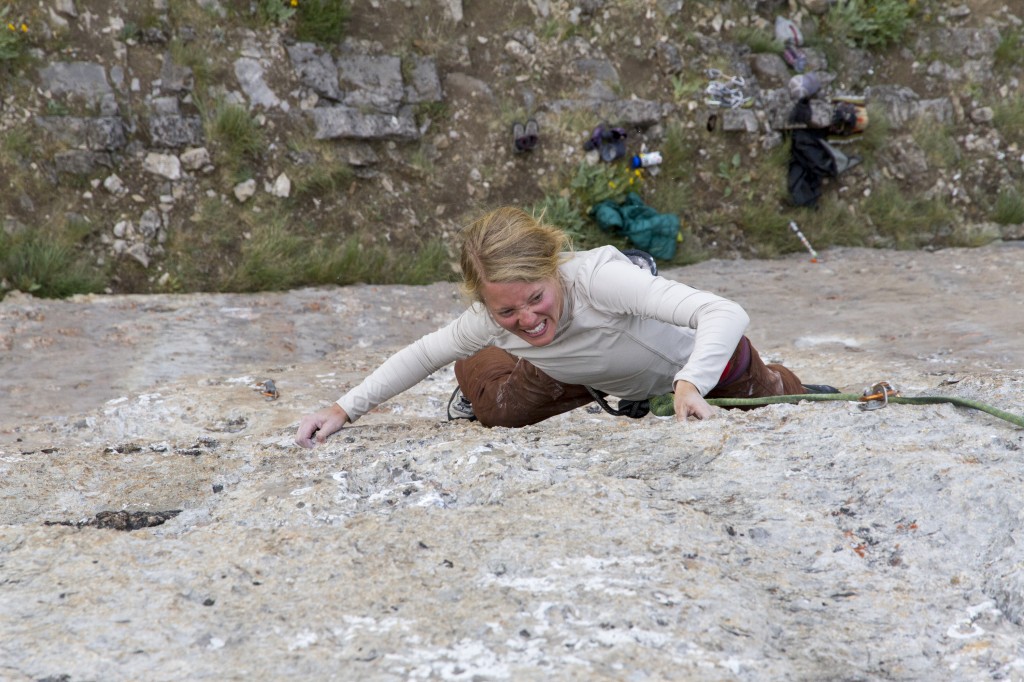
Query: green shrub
[
  {"x": 601, "y": 181},
  {"x": 758, "y": 40},
  {"x": 560, "y": 212},
  {"x": 870, "y": 24},
  {"x": 13, "y": 37},
  {"x": 274, "y": 11},
  {"x": 1010, "y": 50},
  {"x": 321, "y": 21}
]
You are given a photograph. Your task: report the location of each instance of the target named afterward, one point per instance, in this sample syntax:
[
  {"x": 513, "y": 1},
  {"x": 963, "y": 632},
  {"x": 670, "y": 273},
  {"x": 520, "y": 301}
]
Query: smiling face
[{"x": 530, "y": 310}]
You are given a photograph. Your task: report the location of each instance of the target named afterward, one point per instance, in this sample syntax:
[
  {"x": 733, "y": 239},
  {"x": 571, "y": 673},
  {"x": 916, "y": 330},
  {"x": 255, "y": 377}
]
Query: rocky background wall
[{"x": 417, "y": 104}]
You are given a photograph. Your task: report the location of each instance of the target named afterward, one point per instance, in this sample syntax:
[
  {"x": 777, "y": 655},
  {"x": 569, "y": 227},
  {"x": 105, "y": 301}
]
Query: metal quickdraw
[{"x": 877, "y": 396}]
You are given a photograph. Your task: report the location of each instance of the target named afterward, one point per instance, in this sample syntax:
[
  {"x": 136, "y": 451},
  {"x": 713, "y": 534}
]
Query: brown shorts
[{"x": 509, "y": 391}]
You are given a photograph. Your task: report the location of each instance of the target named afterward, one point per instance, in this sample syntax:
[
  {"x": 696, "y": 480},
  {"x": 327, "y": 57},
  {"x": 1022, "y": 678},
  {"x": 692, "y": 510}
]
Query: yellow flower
[
  {"x": 24, "y": 28},
  {"x": 611, "y": 184},
  {"x": 11, "y": 27},
  {"x": 295, "y": 3}
]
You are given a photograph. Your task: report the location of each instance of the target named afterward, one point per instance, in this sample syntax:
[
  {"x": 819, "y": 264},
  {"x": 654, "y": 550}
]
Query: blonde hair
[{"x": 509, "y": 245}]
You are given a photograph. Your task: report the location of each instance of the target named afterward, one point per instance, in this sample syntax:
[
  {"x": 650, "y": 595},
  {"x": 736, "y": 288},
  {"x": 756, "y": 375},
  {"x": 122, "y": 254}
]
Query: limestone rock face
[{"x": 158, "y": 523}]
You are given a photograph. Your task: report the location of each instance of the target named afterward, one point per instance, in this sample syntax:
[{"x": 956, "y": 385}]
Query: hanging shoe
[
  {"x": 459, "y": 406},
  {"x": 531, "y": 134},
  {"x": 518, "y": 137}
]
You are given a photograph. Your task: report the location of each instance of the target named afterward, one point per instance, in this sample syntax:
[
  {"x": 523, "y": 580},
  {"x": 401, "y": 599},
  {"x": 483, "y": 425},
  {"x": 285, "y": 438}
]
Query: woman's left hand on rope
[{"x": 689, "y": 402}]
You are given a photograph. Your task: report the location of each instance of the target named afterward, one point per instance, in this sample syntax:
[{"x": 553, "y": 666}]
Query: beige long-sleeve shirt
[{"x": 622, "y": 331}]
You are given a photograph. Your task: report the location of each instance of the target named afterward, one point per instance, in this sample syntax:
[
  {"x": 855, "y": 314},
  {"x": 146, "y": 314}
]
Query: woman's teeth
[{"x": 536, "y": 330}]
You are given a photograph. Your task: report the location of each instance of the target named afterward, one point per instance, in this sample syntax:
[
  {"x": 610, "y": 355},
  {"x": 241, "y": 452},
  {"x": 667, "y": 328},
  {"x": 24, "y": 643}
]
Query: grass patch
[
  {"x": 875, "y": 138},
  {"x": 319, "y": 180},
  {"x": 1008, "y": 208},
  {"x": 685, "y": 89},
  {"x": 908, "y": 223},
  {"x": 437, "y": 112},
  {"x": 17, "y": 146},
  {"x": 236, "y": 136},
  {"x": 558, "y": 30},
  {"x": 766, "y": 232},
  {"x": 757, "y": 40},
  {"x": 675, "y": 184},
  {"x": 47, "y": 264},
  {"x": 320, "y": 173},
  {"x": 272, "y": 259},
  {"x": 232, "y": 249},
  {"x": 1010, "y": 50},
  {"x": 937, "y": 142},
  {"x": 351, "y": 262},
  {"x": 869, "y": 24},
  {"x": 1008, "y": 118},
  {"x": 832, "y": 223},
  {"x": 194, "y": 57},
  {"x": 322, "y": 21}
]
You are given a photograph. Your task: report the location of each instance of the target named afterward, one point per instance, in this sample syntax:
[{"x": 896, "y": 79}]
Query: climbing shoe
[
  {"x": 524, "y": 137},
  {"x": 820, "y": 388},
  {"x": 459, "y": 406},
  {"x": 531, "y": 133},
  {"x": 518, "y": 133}
]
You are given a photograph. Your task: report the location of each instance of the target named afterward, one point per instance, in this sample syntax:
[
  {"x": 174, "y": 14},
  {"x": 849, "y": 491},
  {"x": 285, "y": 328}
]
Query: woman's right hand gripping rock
[{"x": 315, "y": 428}]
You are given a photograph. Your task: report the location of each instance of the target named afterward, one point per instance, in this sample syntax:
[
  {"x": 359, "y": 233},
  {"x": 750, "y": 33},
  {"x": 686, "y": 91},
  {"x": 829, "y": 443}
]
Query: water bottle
[{"x": 646, "y": 159}]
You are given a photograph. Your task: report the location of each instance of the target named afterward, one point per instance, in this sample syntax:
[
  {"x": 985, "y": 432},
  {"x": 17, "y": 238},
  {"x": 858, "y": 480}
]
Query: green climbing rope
[{"x": 663, "y": 406}]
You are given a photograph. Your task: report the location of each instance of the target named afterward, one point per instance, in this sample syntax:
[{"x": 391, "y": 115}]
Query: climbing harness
[{"x": 874, "y": 397}]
